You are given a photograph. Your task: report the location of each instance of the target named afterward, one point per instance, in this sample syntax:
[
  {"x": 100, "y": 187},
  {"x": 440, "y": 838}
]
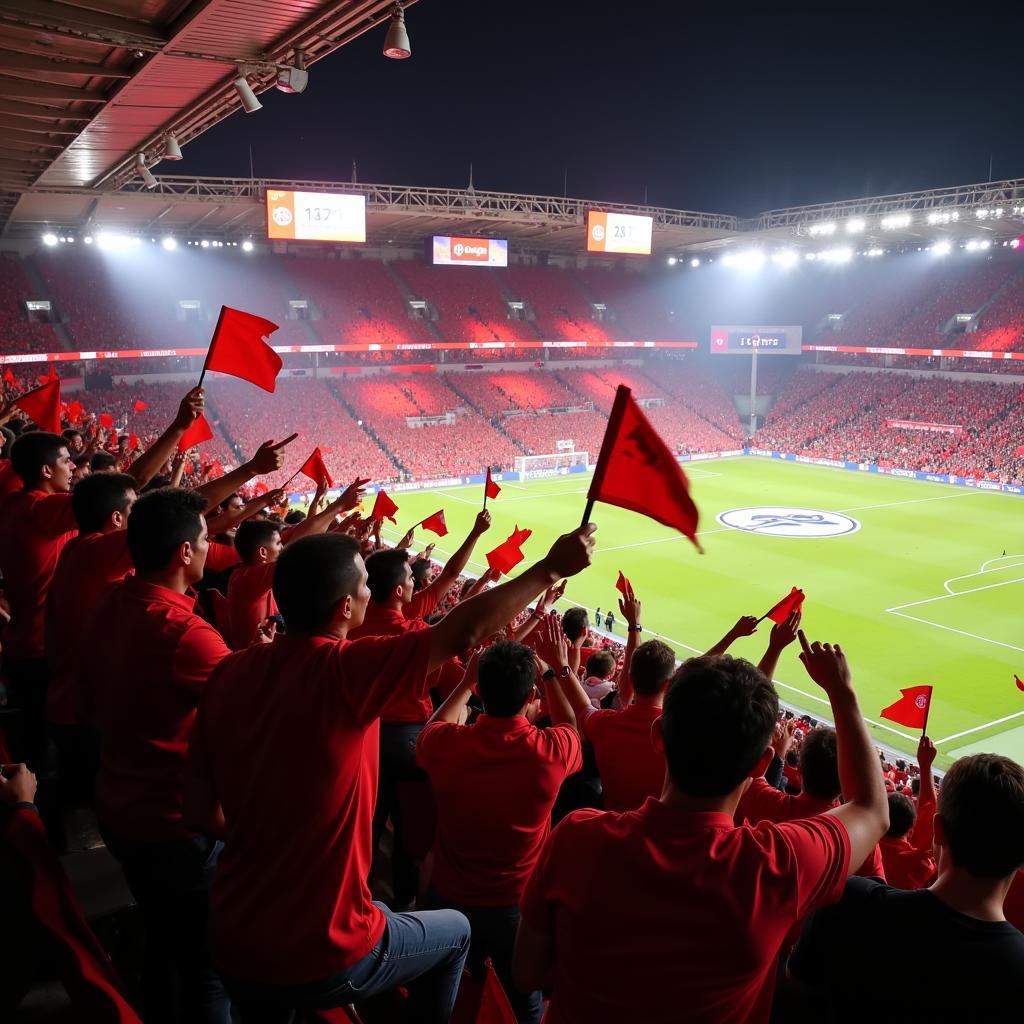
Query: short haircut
[
  {"x": 420, "y": 573},
  {"x": 819, "y": 763},
  {"x": 601, "y": 664},
  {"x": 506, "y": 676},
  {"x": 651, "y": 667},
  {"x": 902, "y": 815},
  {"x": 225, "y": 505},
  {"x": 161, "y": 521},
  {"x": 981, "y": 804},
  {"x": 294, "y": 517},
  {"x": 313, "y": 575},
  {"x": 70, "y": 433},
  {"x": 252, "y": 535},
  {"x": 31, "y": 451},
  {"x": 575, "y": 623},
  {"x": 385, "y": 570},
  {"x": 736, "y": 708},
  {"x": 102, "y": 461},
  {"x": 95, "y": 498}
]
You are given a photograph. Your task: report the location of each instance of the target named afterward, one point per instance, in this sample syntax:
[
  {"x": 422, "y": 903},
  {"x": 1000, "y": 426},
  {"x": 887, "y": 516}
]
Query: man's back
[
  {"x": 661, "y": 915},
  {"x": 631, "y": 769},
  {"x": 951, "y": 966},
  {"x": 250, "y": 600}
]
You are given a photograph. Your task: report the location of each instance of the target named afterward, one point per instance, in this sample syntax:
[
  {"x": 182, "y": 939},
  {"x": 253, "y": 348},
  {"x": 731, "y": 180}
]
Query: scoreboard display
[
  {"x": 316, "y": 216},
  {"x": 747, "y": 339},
  {"x": 470, "y": 252},
  {"x": 619, "y": 232}
]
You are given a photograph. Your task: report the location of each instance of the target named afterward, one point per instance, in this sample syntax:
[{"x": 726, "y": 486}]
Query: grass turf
[{"x": 914, "y": 537}]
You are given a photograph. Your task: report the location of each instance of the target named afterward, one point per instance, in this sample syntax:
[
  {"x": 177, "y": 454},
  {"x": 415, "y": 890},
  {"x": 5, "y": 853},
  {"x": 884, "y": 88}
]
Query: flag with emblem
[{"x": 912, "y": 708}]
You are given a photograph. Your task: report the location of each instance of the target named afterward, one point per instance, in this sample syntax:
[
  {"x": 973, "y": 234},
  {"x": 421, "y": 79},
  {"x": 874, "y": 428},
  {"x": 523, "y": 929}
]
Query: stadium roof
[{"x": 86, "y": 85}]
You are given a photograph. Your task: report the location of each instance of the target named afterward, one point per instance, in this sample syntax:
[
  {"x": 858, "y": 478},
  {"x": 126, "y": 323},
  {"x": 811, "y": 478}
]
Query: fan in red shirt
[
  {"x": 907, "y": 846},
  {"x": 292, "y": 922},
  {"x": 701, "y": 906},
  {"x": 394, "y": 609},
  {"x": 495, "y": 783}
]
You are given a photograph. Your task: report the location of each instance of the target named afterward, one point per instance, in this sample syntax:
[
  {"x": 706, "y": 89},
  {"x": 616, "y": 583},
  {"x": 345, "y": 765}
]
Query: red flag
[
  {"x": 216, "y": 469},
  {"x": 508, "y": 554},
  {"x": 196, "y": 434},
  {"x": 315, "y": 469},
  {"x": 792, "y": 602},
  {"x": 622, "y": 585},
  {"x": 636, "y": 470},
  {"x": 76, "y": 412},
  {"x": 133, "y": 442},
  {"x": 1020, "y": 682},
  {"x": 491, "y": 489},
  {"x": 9, "y": 378},
  {"x": 106, "y": 420},
  {"x": 187, "y": 467},
  {"x": 436, "y": 523},
  {"x": 140, "y": 406},
  {"x": 43, "y": 378},
  {"x": 494, "y": 1007},
  {"x": 52, "y": 374},
  {"x": 43, "y": 406},
  {"x": 383, "y": 507},
  {"x": 911, "y": 709},
  {"x": 238, "y": 348},
  {"x": 261, "y": 488}
]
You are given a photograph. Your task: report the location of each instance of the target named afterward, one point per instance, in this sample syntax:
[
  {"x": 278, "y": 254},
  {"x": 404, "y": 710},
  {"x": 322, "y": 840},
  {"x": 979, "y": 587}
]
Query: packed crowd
[{"x": 336, "y": 774}]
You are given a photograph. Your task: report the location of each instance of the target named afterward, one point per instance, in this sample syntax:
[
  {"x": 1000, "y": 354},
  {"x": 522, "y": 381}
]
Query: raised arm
[
  {"x": 782, "y": 635},
  {"x": 222, "y": 521},
  {"x": 454, "y": 707},
  {"x": 746, "y": 625},
  {"x": 269, "y": 457},
  {"x": 924, "y": 827},
  {"x": 319, "y": 523},
  {"x": 866, "y": 811},
  {"x": 149, "y": 463},
  {"x": 469, "y": 623},
  {"x": 456, "y": 565},
  {"x": 549, "y": 597},
  {"x": 631, "y": 610},
  {"x": 553, "y": 651}
]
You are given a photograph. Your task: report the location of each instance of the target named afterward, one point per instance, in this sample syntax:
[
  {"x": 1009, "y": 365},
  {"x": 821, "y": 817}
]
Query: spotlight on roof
[
  {"x": 784, "y": 258},
  {"x": 855, "y": 226},
  {"x": 172, "y": 151},
  {"x": 942, "y": 248},
  {"x": 87, "y": 239},
  {"x": 247, "y": 246},
  {"x": 143, "y": 172},
  {"x": 695, "y": 262},
  {"x": 672, "y": 261},
  {"x": 295, "y": 77},
  {"x": 49, "y": 238},
  {"x": 249, "y": 102},
  {"x": 204, "y": 244},
  {"x": 396, "y": 42},
  {"x": 169, "y": 244}
]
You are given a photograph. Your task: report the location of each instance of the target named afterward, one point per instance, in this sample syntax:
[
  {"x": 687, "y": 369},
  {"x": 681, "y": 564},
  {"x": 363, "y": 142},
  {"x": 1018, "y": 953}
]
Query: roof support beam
[
  {"x": 21, "y": 124},
  {"x": 39, "y": 112},
  {"x": 29, "y": 138},
  {"x": 11, "y": 60},
  {"x": 66, "y": 20},
  {"x": 11, "y": 86}
]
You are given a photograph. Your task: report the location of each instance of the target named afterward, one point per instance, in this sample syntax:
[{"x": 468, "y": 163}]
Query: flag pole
[
  {"x": 486, "y": 478},
  {"x": 611, "y": 432},
  {"x": 209, "y": 349},
  {"x": 927, "y": 712}
]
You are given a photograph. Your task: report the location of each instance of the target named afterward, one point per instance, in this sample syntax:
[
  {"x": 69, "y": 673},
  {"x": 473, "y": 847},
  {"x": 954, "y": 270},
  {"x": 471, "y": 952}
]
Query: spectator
[{"x": 907, "y": 846}]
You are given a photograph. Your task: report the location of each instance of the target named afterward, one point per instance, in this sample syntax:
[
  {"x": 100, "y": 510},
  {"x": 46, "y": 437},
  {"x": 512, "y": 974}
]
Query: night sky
[{"x": 726, "y": 112}]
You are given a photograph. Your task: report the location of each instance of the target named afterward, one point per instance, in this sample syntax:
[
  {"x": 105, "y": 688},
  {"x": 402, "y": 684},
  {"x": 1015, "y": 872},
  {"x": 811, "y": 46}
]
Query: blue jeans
[
  {"x": 170, "y": 882},
  {"x": 425, "y": 952}
]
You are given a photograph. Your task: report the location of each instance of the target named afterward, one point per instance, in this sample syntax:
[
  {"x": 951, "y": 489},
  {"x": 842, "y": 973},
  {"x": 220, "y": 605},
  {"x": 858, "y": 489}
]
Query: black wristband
[
  {"x": 550, "y": 674},
  {"x": 634, "y": 629}
]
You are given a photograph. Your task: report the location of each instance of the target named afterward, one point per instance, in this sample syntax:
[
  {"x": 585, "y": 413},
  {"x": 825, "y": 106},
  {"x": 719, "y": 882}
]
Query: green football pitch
[{"x": 922, "y": 583}]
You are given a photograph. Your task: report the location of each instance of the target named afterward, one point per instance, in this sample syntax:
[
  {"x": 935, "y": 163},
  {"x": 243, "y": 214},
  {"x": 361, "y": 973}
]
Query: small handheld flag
[
  {"x": 436, "y": 523},
  {"x": 912, "y": 708},
  {"x": 106, "y": 420},
  {"x": 238, "y": 349},
  {"x": 383, "y": 507},
  {"x": 139, "y": 406},
  {"x": 315, "y": 469},
  {"x": 792, "y": 602},
  {"x": 491, "y": 489},
  {"x": 508, "y": 554},
  {"x": 196, "y": 434},
  {"x": 1020, "y": 682},
  {"x": 622, "y": 585},
  {"x": 43, "y": 406}
]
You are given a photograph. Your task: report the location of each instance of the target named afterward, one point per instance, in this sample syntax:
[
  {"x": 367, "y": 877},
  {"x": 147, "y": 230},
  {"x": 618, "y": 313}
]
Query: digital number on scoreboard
[
  {"x": 619, "y": 232},
  {"x": 316, "y": 216},
  {"x": 747, "y": 339}
]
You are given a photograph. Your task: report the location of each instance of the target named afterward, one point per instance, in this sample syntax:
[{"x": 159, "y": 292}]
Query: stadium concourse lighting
[
  {"x": 841, "y": 255},
  {"x": 250, "y": 104},
  {"x": 896, "y": 221},
  {"x": 49, "y": 238},
  {"x": 247, "y": 246},
  {"x": 672, "y": 261},
  {"x": 396, "y": 42},
  {"x": 977, "y": 245},
  {"x": 942, "y": 248},
  {"x": 695, "y": 262},
  {"x": 824, "y": 227},
  {"x": 855, "y": 226},
  {"x": 169, "y": 244},
  {"x": 749, "y": 259},
  {"x": 785, "y": 258},
  {"x": 172, "y": 151}
]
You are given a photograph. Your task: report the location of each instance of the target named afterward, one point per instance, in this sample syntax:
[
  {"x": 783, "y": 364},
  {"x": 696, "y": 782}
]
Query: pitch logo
[{"x": 785, "y": 521}]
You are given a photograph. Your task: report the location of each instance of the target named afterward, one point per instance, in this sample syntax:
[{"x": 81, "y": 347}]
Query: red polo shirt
[
  {"x": 250, "y": 600},
  {"x": 34, "y": 527},
  {"x": 145, "y": 681},
  {"x": 287, "y": 739},
  {"x": 695, "y": 920},
  {"x": 423, "y": 603},
  {"x": 495, "y": 783},
  {"x": 221, "y": 556},
  {"x": 631, "y": 769},
  {"x": 87, "y": 566}
]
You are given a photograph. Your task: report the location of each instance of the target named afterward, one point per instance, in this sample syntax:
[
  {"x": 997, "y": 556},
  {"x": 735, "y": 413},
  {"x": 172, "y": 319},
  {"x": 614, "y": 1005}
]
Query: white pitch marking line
[
  {"x": 958, "y": 593},
  {"x": 971, "y": 575},
  {"x": 456, "y": 497},
  {"x": 951, "y": 629},
  {"x": 911, "y": 501},
  {"x": 1001, "y": 558},
  {"x": 978, "y": 728},
  {"x": 660, "y": 540}
]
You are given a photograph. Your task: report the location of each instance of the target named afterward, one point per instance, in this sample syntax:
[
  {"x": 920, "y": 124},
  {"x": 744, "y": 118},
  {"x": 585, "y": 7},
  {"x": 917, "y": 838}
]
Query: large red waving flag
[
  {"x": 196, "y": 434},
  {"x": 491, "y": 489},
  {"x": 508, "y": 554},
  {"x": 315, "y": 469},
  {"x": 238, "y": 348},
  {"x": 622, "y": 585},
  {"x": 383, "y": 507},
  {"x": 43, "y": 406},
  {"x": 792, "y": 602},
  {"x": 637, "y": 471},
  {"x": 911, "y": 709},
  {"x": 436, "y": 523}
]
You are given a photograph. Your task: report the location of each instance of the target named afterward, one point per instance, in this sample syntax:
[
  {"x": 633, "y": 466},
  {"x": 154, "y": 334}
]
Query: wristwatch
[
  {"x": 564, "y": 672},
  {"x": 635, "y": 629}
]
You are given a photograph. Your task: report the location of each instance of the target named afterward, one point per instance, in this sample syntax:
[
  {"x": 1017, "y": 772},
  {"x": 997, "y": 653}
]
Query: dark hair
[
  {"x": 294, "y": 517},
  {"x": 70, "y": 433},
  {"x": 601, "y": 664},
  {"x": 160, "y": 480},
  {"x": 312, "y": 576},
  {"x": 902, "y": 815},
  {"x": 95, "y": 498},
  {"x": 981, "y": 804},
  {"x": 651, "y": 667},
  {"x": 420, "y": 573},
  {"x": 102, "y": 461},
  {"x": 717, "y": 722},
  {"x": 819, "y": 763},
  {"x": 575, "y": 623},
  {"x": 33, "y": 450},
  {"x": 507, "y": 674},
  {"x": 161, "y": 521},
  {"x": 915, "y": 785},
  {"x": 252, "y": 535},
  {"x": 223, "y": 506},
  {"x": 385, "y": 570}
]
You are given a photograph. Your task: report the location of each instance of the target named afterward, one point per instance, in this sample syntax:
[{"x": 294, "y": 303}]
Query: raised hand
[
  {"x": 17, "y": 785},
  {"x": 406, "y": 541},
  {"x": 826, "y": 665},
  {"x": 926, "y": 754},
  {"x": 426, "y": 553},
  {"x": 785, "y": 632},
  {"x": 746, "y": 625},
  {"x": 571, "y": 553},
  {"x": 551, "y": 596},
  {"x": 782, "y": 737},
  {"x": 552, "y": 646},
  {"x": 269, "y": 456},
  {"x": 190, "y": 409},
  {"x": 352, "y": 495},
  {"x": 630, "y": 607},
  {"x": 482, "y": 523}
]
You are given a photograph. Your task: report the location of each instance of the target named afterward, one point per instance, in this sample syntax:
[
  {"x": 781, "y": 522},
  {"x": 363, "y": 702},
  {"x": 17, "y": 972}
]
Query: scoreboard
[
  {"x": 316, "y": 216},
  {"x": 619, "y": 232},
  {"x": 746, "y": 339}
]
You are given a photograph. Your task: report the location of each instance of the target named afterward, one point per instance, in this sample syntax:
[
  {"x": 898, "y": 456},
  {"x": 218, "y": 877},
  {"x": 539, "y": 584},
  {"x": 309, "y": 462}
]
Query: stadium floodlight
[
  {"x": 840, "y": 255},
  {"x": 896, "y": 221},
  {"x": 1014, "y": 243},
  {"x": 143, "y": 172},
  {"x": 943, "y": 216},
  {"x": 875, "y": 252},
  {"x": 49, "y": 238},
  {"x": 942, "y": 248},
  {"x": 293, "y": 77},
  {"x": 250, "y": 104},
  {"x": 172, "y": 150},
  {"x": 978, "y": 245},
  {"x": 71, "y": 238},
  {"x": 748, "y": 259},
  {"x": 785, "y": 258},
  {"x": 247, "y": 246},
  {"x": 169, "y": 244},
  {"x": 87, "y": 239},
  {"x": 396, "y": 42},
  {"x": 855, "y": 226},
  {"x": 672, "y": 261},
  {"x": 204, "y": 244},
  {"x": 824, "y": 227},
  {"x": 695, "y": 262}
]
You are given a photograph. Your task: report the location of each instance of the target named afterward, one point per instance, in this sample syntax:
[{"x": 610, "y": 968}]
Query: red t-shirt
[
  {"x": 424, "y": 602},
  {"x": 144, "y": 680},
  {"x": 287, "y": 740},
  {"x": 250, "y": 600},
  {"x": 906, "y": 867},
  {"x": 221, "y": 556},
  {"x": 9, "y": 480},
  {"x": 657, "y": 914},
  {"x": 88, "y": 565},
  {"x": 631, "y": 769},
  {"x": 34, "y": 527},
  {"x": 494, "y": 783}
]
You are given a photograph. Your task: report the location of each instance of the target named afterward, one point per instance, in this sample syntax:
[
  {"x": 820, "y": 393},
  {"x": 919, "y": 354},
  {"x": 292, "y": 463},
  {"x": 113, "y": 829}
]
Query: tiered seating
[
  {"x": 540, "y": 434},
  {"x": 562, "y": 311},
  {"x": 17, "y": 334},
  {"x": 1002, "y": 324},
  {"x": 643, "y": 307},
  {"x": 696, "y": 387}
]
